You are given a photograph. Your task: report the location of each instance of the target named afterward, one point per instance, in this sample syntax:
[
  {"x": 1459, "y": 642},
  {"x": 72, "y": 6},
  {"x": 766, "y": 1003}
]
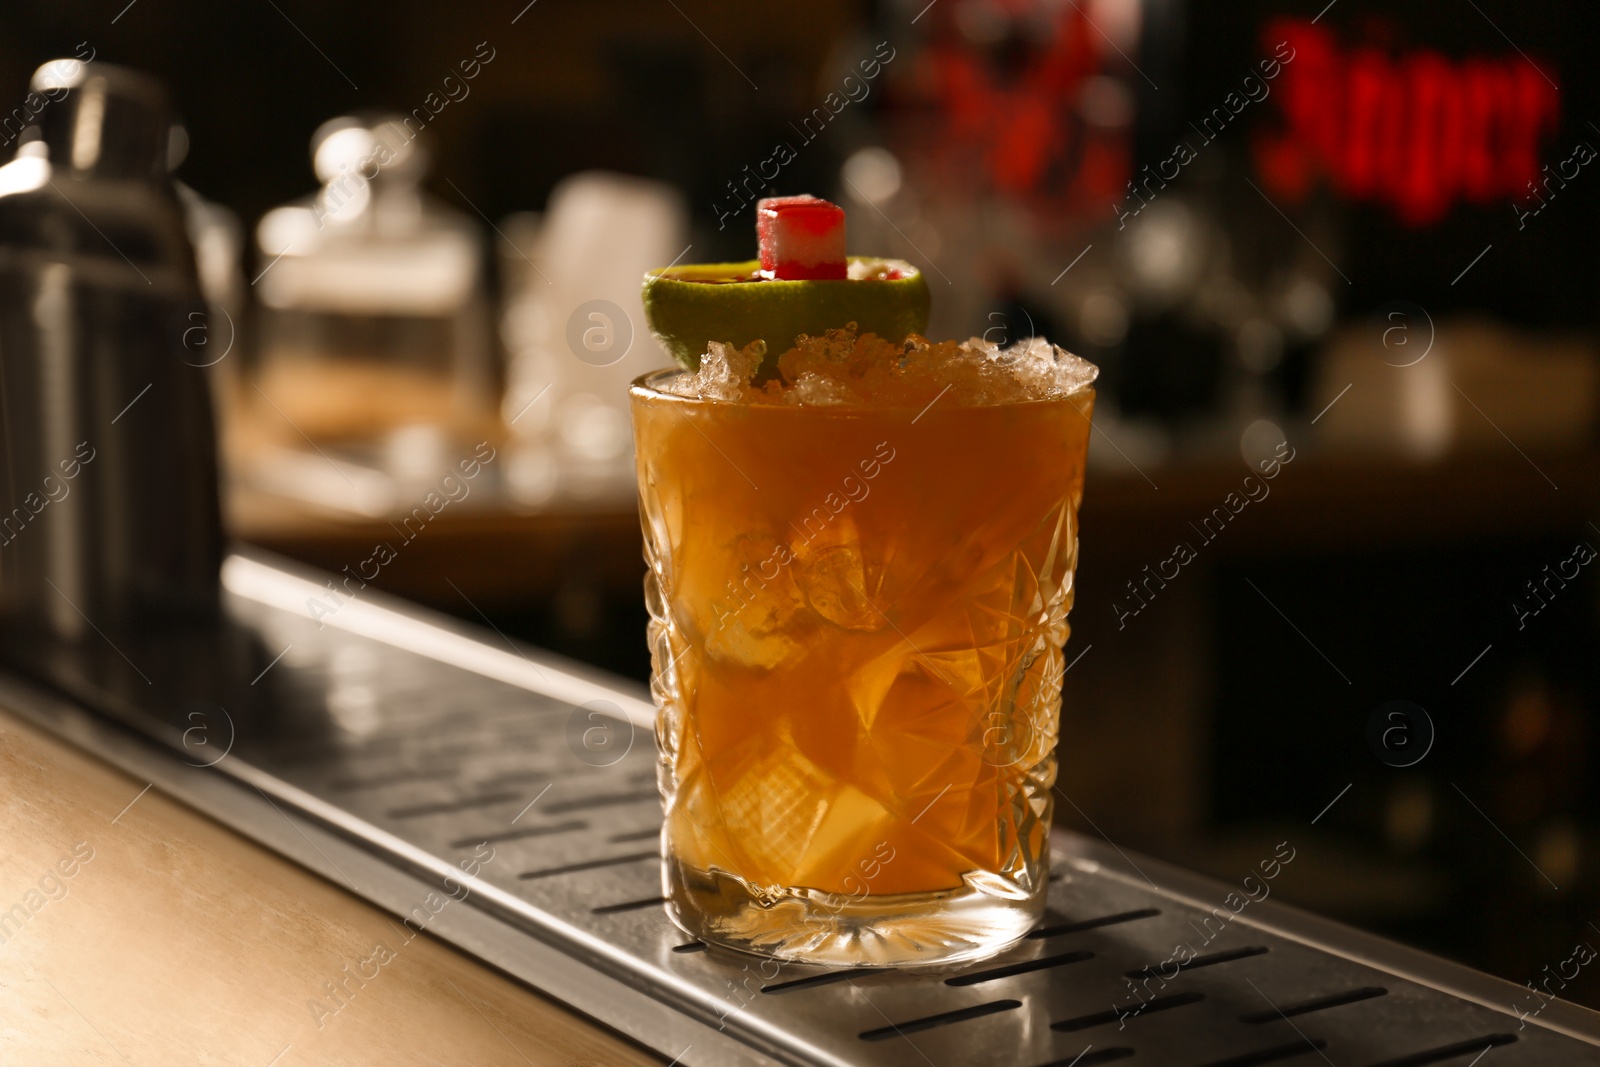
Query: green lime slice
[{"x": 690, "y": 306}]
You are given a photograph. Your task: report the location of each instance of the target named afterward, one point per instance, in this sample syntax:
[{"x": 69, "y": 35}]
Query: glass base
[{"x": 986, "y": 914}]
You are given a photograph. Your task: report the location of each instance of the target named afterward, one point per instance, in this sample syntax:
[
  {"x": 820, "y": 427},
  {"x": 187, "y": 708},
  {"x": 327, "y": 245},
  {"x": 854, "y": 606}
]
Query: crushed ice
[{"x": 846, "y": 368}]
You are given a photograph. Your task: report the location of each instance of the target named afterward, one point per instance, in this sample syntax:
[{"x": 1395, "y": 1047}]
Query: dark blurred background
[{"x": 1363, "y": 229}]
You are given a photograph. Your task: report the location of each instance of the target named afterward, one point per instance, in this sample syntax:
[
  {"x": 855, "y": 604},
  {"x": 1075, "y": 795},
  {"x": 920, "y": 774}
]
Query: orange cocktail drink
[{"x": 859, "y": 598}]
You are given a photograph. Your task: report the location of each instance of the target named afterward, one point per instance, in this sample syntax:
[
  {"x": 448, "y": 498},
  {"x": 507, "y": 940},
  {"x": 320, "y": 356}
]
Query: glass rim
[{"x": 646, "y": 388}]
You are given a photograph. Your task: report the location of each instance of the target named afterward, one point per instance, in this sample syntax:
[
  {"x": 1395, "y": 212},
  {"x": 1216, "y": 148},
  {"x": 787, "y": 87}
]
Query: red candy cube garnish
[{"x": 801, "y": 237}]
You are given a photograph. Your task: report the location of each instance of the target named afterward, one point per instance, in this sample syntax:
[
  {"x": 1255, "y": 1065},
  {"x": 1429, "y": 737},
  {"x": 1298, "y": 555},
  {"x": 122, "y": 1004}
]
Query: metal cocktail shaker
[{"x": 109, "y": 514}]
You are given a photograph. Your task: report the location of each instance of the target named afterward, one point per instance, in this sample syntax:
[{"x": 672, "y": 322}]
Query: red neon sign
[{"x": 1417, "y": 132}]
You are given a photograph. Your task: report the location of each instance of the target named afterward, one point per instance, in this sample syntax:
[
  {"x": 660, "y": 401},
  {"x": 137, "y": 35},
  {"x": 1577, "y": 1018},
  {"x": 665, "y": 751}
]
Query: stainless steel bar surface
[{"x": 396, "y": 747}]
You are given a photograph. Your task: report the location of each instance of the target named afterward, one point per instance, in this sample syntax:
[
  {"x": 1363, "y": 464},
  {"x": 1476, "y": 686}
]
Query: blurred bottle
[
  {"x": 373, "y": 324},
  {"x": 574, "y": 326}
]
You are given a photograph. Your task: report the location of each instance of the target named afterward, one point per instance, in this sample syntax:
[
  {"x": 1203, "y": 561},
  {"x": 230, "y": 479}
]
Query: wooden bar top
[{"x": 134, "y": 930}]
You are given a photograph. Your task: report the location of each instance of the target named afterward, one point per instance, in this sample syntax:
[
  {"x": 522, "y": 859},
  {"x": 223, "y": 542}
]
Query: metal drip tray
[{"x": 402, "y": 747}]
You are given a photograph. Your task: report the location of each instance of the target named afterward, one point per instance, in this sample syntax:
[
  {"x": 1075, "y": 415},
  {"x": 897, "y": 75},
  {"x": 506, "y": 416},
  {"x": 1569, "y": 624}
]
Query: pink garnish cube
[{"x": 801, "y": 237}]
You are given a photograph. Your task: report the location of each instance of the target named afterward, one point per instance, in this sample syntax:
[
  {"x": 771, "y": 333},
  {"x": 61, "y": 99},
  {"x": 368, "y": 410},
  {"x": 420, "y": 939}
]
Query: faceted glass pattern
[{"x": 856, "y": 626}]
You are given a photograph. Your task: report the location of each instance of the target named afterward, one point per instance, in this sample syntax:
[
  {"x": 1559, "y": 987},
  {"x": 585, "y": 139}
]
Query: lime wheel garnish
[{"x": 802, "y": 284}]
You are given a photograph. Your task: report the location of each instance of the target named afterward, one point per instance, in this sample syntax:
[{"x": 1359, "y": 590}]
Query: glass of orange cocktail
[{"x": 859, "y": 577}]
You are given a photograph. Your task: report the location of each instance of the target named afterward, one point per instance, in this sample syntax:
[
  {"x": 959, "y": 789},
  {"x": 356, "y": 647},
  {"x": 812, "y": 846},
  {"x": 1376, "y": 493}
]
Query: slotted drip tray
[{"x": 404, "y": 748}]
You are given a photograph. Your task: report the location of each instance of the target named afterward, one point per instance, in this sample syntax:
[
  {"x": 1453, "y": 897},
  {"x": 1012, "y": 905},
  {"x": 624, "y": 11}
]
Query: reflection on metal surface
[
  {"x": 392, "y": 629},
  {"x": 471, "y": 747}
]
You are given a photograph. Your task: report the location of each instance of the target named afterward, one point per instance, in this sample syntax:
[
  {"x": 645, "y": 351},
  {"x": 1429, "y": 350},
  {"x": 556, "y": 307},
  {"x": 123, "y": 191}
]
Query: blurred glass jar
[{"x": 374, "y": 320}]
